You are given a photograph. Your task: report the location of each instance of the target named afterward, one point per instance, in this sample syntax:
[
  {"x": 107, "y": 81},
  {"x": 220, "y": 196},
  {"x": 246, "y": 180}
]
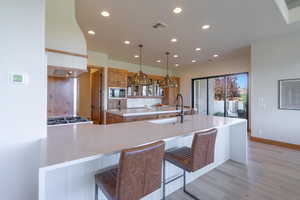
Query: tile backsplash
[{"x": 142, "y": 102}]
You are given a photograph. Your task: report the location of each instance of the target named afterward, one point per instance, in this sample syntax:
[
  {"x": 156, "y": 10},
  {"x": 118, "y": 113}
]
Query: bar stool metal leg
[
  {"x": 184, "y": 187},
  {"x": 164, "y": 180},
  {"x": 96, "y": 192}
]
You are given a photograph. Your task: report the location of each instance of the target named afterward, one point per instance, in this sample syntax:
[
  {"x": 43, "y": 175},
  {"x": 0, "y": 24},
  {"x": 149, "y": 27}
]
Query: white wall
[
  {"x": 272, "y": 60},
  {"x": 63, "y": 33},
  {"x": 236, "y": 62},
  {"x": 135, "y": 68},
  {"x": 97, "y": 58},
  {"x": 23, "y": 107},
  {"x": 102, "y": 59}
]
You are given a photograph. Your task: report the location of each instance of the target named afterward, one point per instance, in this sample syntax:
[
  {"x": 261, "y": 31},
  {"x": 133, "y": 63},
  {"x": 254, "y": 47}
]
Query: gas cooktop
[{"x": 67, "y": 120}]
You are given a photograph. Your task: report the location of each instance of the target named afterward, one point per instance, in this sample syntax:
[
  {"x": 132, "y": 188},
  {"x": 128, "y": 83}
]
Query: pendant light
[
  {"x": 168, "y": 82},
  {"x": 140, "y": 78}
]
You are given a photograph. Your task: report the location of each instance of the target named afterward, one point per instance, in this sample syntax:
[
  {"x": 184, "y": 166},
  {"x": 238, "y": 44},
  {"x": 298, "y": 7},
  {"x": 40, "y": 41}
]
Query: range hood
[
  {"x": 64, "y": 72},
  {"x": 65, "y": 42}
]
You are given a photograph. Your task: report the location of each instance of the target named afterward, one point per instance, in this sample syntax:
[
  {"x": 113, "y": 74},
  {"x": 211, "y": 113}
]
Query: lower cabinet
[{"x": 113, "y": 119}]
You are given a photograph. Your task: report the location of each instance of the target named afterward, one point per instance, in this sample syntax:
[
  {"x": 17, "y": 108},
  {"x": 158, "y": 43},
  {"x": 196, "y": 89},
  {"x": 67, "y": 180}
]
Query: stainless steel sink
[{"x": 172, "y": 120}]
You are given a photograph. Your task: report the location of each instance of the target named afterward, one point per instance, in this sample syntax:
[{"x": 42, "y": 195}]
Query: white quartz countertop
[
  {"x": 66, "y": 145},
  {"x": 132, "y": 112}
]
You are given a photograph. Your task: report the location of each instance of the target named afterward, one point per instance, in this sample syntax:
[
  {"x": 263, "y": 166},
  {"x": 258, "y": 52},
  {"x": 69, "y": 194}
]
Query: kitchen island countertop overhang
[
  {"x": 155, "y": 110},
  {"x": 68, "y": 144},
  {"x": 71, "y": 155}
]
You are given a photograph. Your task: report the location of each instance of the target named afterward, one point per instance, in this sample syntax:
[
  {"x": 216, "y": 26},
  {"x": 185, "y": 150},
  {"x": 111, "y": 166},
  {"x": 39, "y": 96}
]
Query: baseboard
[{"x": 277, "y": 143}]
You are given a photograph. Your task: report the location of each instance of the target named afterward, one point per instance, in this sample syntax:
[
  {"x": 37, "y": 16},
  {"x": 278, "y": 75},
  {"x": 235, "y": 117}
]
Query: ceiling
[{"x": 234, "y": 24}]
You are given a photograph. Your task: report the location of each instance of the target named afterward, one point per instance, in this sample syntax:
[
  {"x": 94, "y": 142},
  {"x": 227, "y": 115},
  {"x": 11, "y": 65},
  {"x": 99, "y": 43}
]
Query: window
[{"x": 225, "y": 96}]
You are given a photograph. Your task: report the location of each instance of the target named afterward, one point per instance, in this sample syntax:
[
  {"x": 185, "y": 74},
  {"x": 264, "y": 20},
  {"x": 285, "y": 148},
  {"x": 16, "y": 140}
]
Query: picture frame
[{"x": 289, "y": 94}]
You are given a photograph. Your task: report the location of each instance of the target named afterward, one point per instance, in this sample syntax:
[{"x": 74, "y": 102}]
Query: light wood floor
[{"x": 273, "y": 173}]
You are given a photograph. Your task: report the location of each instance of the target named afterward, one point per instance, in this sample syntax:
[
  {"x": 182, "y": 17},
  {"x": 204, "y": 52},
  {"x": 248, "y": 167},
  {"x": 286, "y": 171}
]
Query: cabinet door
[
  {"x": 113, "y": 119},
  {"x": 96, "y": 96},
  {"x": 170, "y": 94},
  {"x": 117, "y": 78}
]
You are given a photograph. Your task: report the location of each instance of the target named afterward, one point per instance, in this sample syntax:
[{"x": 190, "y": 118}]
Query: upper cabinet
[
  {"x": 65, "y": 42},
  {"x": 117, "y": 77}
]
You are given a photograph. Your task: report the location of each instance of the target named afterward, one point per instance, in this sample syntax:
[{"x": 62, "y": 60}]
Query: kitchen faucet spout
[{"x": 181, "y": 106}]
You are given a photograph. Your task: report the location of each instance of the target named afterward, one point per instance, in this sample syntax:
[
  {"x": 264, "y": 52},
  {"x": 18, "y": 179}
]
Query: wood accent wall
[{"x": 60, "y": 96}]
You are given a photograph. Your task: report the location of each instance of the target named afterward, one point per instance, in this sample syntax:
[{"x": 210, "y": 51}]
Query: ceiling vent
[{"x": 159, "y": 25}]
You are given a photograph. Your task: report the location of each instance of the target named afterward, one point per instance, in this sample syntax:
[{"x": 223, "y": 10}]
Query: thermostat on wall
[{"x": 18, "y": 78}]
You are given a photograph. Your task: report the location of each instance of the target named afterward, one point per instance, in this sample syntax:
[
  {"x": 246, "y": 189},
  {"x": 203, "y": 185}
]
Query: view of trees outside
[
  {"x": 219, "y": 89},
  {"x": 210, "y": 95},
  {"x": 233, "y": 89},
  {"x": 236, "y": 98}
]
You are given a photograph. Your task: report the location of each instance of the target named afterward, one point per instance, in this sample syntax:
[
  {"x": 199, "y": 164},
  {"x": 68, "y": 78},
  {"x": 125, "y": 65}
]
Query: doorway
[
  {"x": 225, "y": 95},
  {"x": 91, "y": 98}
]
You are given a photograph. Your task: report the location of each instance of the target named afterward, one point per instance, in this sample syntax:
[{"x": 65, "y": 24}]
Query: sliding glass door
[
  {"x": 200, "y": 97},
  {"x": 216, "y": 100},
  {"x": 237, "y": 96},
  {"x": 222, "y": 95}
]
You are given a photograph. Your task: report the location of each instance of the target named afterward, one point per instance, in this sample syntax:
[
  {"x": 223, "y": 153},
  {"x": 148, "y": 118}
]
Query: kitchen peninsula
[{"x": 71, "y": 155}]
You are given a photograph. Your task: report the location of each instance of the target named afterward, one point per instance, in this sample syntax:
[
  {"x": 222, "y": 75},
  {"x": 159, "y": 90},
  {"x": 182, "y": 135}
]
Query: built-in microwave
[{"x": 117, "y": 93}]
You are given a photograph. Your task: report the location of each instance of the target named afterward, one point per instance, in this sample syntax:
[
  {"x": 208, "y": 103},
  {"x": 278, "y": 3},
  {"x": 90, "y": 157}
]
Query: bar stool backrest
[
  {"x": 203, "y": 149},
  {"x": 140, "y": 171}
]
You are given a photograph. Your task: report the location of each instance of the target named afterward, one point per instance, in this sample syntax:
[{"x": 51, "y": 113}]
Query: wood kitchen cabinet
[
  {"x": 113, "y": 119},
  {"x": 170, "y": 94},
  {"x": 117, "y": 77}
]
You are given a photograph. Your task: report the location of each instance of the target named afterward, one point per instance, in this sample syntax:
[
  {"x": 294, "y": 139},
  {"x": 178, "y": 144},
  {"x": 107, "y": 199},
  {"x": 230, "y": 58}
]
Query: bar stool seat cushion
[
  {"x": 181, "y": 157},
  {"x": 107, "y": 181}
]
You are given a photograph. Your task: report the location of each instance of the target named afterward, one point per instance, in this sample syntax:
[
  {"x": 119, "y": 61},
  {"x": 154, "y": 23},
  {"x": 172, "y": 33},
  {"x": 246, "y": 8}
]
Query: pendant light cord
[
  {"x": 141, "y": 46},
  {"x": 167, "y": 53}
]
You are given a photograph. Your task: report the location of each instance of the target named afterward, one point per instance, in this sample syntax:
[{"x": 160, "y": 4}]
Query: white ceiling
[{"x": 234, "y": 24}]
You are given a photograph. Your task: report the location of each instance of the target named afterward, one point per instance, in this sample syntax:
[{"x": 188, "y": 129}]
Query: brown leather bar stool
[
  {"x": 137, "y": 175},
  {"x": 192, "y": 159}
]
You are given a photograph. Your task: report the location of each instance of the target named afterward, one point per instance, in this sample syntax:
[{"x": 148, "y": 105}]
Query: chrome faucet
[{"x": 181, "y": 106}]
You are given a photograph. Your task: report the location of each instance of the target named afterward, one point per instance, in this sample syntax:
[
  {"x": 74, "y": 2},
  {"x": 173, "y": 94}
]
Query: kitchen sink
[{"x": 172, "y": 120}]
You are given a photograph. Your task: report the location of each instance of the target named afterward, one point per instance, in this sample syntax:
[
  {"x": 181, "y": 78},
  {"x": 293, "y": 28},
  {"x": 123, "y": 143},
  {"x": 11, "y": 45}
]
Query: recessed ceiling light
[
  {"x": 175, "y": 56},
  {"x": 216, "y": 56},
  {"x": 136, "y": 56},
  {"x": 176, "y": 65},
  {"x": 127, "y": 42},
  {"x": 204, "y": 27},
  {"x": 193, "y": 61},
  {"x": 158, "y": 61},
  {"x": 91, "y": 32},
  {"x": 198, "y": 49},
  {"x": 177, "y": 10},
  {"x": 105, "y": 13},
  {"x": 173, "y": 40}
]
